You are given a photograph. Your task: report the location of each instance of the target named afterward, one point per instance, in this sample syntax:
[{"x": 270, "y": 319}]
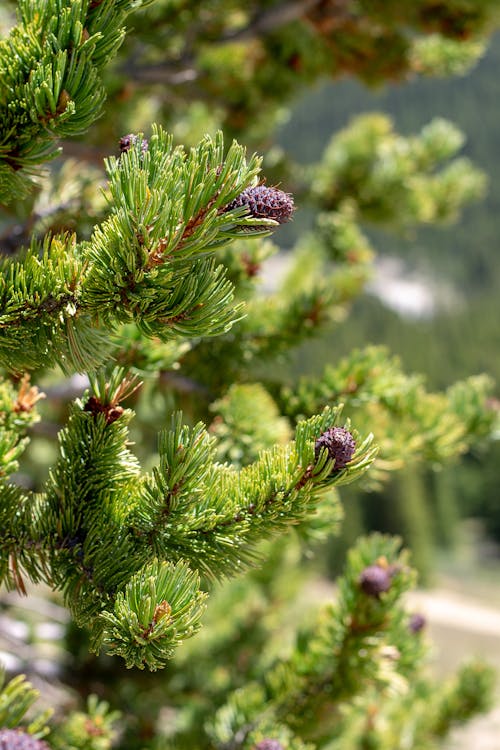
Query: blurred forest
[{"x": 460, "y": 271}]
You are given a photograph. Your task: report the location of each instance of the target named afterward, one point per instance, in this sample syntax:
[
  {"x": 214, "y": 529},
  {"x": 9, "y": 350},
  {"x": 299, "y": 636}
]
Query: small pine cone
[
  {"x": 417, "y": 623},
  {"x": 127, "y": 141},
  {"x": 268, "y": 745},
  {"x": 16, "y": 739},
  {"x": 340, "y": 445},
  {"x": 374, "y": 580},
  {"x": 264, "y": 203}
]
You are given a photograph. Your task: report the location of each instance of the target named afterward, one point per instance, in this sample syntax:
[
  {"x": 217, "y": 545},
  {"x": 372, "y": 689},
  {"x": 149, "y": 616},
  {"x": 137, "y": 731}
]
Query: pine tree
[{"x": 187, "y": 476}]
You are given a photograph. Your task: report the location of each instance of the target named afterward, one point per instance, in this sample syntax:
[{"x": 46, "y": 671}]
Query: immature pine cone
[
  {"x": 264, "y": 203},
  {"x": 268, "y": 745},
  {"x": 127, "y": 141},
  {"x": 340, "y": 445},
  {"x": 374, "y": 580},
  {"x": 16, "y": 739},
  {"x": 417, "y": 623}
]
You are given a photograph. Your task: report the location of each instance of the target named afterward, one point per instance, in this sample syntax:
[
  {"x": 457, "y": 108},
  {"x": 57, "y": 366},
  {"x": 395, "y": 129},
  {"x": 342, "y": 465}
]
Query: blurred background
[{"x": 434, "y": 301}]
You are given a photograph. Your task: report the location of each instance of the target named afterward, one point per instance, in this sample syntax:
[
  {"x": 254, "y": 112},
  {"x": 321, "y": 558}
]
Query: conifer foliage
[{"x": 184, "y": 462}]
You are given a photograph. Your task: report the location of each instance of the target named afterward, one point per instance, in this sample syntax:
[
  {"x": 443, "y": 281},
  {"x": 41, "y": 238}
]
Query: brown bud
[{"x": 112, "y": 412}]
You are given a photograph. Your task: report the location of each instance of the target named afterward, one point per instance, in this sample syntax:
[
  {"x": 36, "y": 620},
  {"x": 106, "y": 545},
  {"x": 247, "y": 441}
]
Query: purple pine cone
[
  {"x": 16, "y": 739},
  {"x": 374, "y": 580},
  {"x": 417, "y": 623},
  {"x": 340, "y": 445},
  {"x": 127, "y": 141},
  {"x": 264, "y": 203},
  {"x": 268, "y": 745}
]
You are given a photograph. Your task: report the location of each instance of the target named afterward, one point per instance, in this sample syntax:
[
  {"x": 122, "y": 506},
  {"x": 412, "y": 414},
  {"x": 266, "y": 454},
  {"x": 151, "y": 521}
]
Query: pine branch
[
  {"x": 17, "y": 698},
  {"x": 334, "y": 661},
  {"x": 101, "y": 531},
  {"x": 214, "y": 516},
  {"x": 41, "y": 318},
  {"x": 419, "y": 425},
  {"x": 392, "y": 180},
  {"x": 152, "y": 261},
  {"x": 17, "y": 413},
  {"x": 51, "y": 67},
  {"x": 184, "y": 70},
  {"x": 272, "y": 18},
  {"x": 466, "y": 694},
  {"x": 21, "y": 727}
]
